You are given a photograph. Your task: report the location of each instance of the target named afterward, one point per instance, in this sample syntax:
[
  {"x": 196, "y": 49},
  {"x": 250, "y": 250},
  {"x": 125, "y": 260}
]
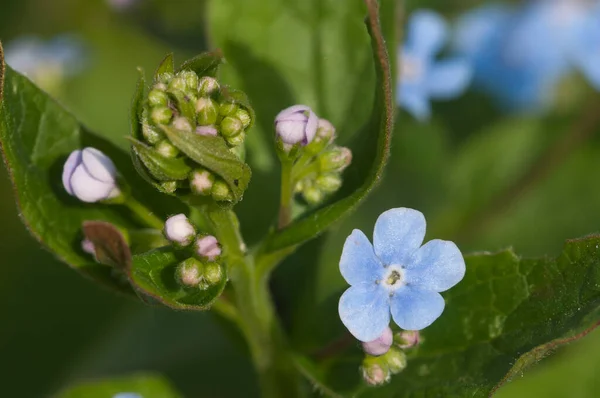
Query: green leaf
[
  {"x": 161, "y": 168},
  {"x": 205, "y": 64},
  {"x": 375, "y": 148},
  {"x": 500, "y": 319},
  {"x": 37, "y": 135},
  {"x": 167, "y": 65},
  {"x": 153, "y": 274},
  {"x": 145, "y": 385},
  {"x": 213, "y": 154}
]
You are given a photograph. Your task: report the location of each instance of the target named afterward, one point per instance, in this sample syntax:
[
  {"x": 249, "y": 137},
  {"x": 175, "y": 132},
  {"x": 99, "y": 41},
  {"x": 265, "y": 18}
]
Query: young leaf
[
  {"x": 162, "y": 168},
  {"x": 36, "y": 136},
  {"x": 205, "y": 64},
  {"x": 142, "y": 385},
  {"x": 167, "y": 65},
  {"x": 153, "y": 274}
]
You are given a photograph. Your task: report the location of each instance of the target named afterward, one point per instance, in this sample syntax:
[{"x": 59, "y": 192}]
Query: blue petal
[
  {"x": 585, "y": 49},
  {"x": 415, "y": 309},
  {"x": 365, "y": 310},
  {"x": 358, "y": 263},
  {"x": 413, "y": 99},
  {"x": 398, "y": 234},
  {"x": 449, "y": 79},
  {"x": 438, "y": 265},
  {"x": 476, "y": 28},
  {"x": 427, "y": 33}
]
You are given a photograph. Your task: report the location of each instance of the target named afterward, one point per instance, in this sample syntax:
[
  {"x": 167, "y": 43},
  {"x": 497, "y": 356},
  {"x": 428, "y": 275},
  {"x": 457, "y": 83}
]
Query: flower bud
[
  {"x": 88, "y": 247},
  {"x": 191, "y": 80},
  {"x": 167, "y": 149},
  {"x": 179, "y": 230},
  {"x": 207, "y": 130},
  {"x": 336, "y": 159},
  {"x": 151, "y": 135},
  {"x": 374, "y": 372},
  {"x": 227, "y": 109},
  {"x": 90, "y": 176},
  {"x": 168, "y": 186},
  {"x": 381, "y": 345},
  {"x": 161, "y": 115},
  {"x": 324, "y": 136},
  {"x": 213, "y": 273},
  {"x": 231, "y": 126},
  {"x": 207, "y": 111},
  {"x": 329, "y": 182},
  {"x": 221, "y": 192},
  {"x": 208, "y": 86},
  {"x": 296, "y": 125},
  {"x": 313, "y": 195},
  {"x": 178, "y": 83},
  {"x": 407, "y": 339},
  {"x": 162, "y": 80},
  {"x": 189, "y": 272},
  {"x": 182, "y": 124},
  {"x": 158, "y": 98},
  {"x": 236, "y": 140},
  {"x": 244, "y": 117},
  {"x": 201, "y": 182},
  {"x": 395, "y": 359},
  {"x": 208, "y": 247}
]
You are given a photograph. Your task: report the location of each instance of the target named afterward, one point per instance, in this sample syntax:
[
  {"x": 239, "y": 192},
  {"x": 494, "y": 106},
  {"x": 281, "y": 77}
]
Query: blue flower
[
  {"x": 396, "y": 274},
  {"x": 421, "y": 76},
  {"x": 585, "y": 49}
]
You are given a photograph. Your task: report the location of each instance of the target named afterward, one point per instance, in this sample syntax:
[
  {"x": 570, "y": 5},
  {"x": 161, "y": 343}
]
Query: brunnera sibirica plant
[{"x": 160, "y": 224}]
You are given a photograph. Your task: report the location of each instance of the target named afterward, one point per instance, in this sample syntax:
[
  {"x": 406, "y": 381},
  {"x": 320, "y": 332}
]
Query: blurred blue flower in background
[
  {"x": 47, "y": 63},
  {"x": 519, "y": 54},
  {"x": 422, "y": 77},
  {"x": 121, "y": 5}
]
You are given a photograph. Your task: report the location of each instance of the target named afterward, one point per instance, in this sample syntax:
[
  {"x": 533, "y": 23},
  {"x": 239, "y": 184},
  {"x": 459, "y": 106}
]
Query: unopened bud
[
  {"x": 179, "y": 230},
  {"x": 374, "y": 372},
  {"x": 158, "y": 98},
  {"x": 207, "y": 130},
  {"x": 407, "y": 339},
  {"x": 325, "y": 136},
  {"x": 313, "y": 195},
  {"x": 151, "y": 135},
  {"x": 177, "y": 84},
  {"x": 236, "y": 140},
  {"x": 168, "y": 186},
  {"x": 182, "y": 124},
  {"x": 201, "y": 182},
  {"x": 231, "y": 126},
  {"x": 207, "y": 111},
  {"x": 381, "y": 345},
  {"x": 244, "y": 117},
  {"x": 296, "y": 125},
  {"x": 88, "y": 247},
  {"x": 208, "y": 86},
  {"x": 167, "y": 149},
  {"x": 208, "y": 247},
  {"x": 336, "y": 159},
  {"x": 213, "y": 273},
  {"x": 161, "y": 115},
  {"x": 221, "y": 192},
  {"x": 162, "y": 80},
  {"x": 191, "y": 80},
  {"x": 395, "y": 359},
  {"x": 329, "y": 182},
  {"x": 189, "y": 272},
  {"x": 227, "y": 109},
  {"x": 90, "y": 176}
]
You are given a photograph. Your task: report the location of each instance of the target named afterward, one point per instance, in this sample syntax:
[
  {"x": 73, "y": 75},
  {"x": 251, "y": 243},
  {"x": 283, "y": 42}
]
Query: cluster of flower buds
[
  {"x": 385, "y": 355},
  {"x": 184, "y": 102},
  {"x": 318, "y": 162},
  {"x": 202, "y": 270}
]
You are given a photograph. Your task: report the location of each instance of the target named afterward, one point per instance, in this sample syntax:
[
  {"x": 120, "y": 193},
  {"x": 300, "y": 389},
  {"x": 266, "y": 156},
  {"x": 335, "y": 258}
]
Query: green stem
[
  {"x": 287, "y": 193},
  {"x": 257, "y": 318},
  {"x": 143, "y": 213}
]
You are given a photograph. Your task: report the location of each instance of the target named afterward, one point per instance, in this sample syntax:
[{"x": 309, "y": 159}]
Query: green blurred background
[{"x": 57, "y": 328}]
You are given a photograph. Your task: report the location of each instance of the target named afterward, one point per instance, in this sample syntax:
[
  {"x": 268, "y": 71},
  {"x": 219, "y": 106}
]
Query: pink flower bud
[
  {"x": 296, "y": 124},
  {"x": 179, "y": 230},
  {"x": 208, "y": 247},
  {"x": 381, "y": 345},
  {"x": 90, "y": 176}
]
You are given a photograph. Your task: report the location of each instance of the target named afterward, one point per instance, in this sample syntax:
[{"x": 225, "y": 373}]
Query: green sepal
[
  {"x": 153, "y": 275},
  {"x": 213, "y": 154},
  {"x": 205, "y": 64},
  {"x": 167, "y": 65},
  {"x": 159, "y": 166},
  {"x": 239, "y": 98}
]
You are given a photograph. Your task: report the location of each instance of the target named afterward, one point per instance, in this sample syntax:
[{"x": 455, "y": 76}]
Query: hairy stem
[
  {"x": 144, "y": 214},
  {"x": 285, "y": 206}
]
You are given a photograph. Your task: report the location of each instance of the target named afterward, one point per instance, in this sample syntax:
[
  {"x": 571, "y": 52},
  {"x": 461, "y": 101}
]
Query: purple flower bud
[
  {"x": 179, "y": 230},
  {"x": 206, "y": 130},
  {"x": 296, "y": 124},
  {"x": 381, "y": 345},
  {"x": 208, "y": 247},
  {"x": 407, "y": 338},
  {"x": 88, "y": 247},
  {"x": 375, "y": 373},
  {"x": 90, "y": 176}
]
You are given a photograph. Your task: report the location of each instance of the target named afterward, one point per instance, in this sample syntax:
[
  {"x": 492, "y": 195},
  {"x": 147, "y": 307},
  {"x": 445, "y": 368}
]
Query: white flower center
[
  {"x": 411, "y": 68},
  {"x": 393, "y": 278}
]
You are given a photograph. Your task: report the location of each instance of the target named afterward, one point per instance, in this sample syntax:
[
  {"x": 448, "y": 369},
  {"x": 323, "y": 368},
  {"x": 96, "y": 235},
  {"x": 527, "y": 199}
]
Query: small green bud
[
  {"x": 244, "y": 117},
  {"x": 189, "y": 272},
  {"x": 374, "y": 371},
  {"x": 151, "y": 135},
  {"x": 208, "y": 86},
  {"x": 182, "y": 124},
  {"x": 336, "y": 159},
  {"x": 164, "y": 78},
  {"x": 201, "y": 182},
  {"x": 167, "y": 149},
  {"x": 395, "y": 359},
  {"x": 158, "y": 98},
  {"x": 221, "y": 192},
  {"x": 407, "y": 339},
  {"x": 177, "y": 84},
  {"x": 227, "y": 109},
  {"x": 191, "y": 80},
  {"x": 231, "y": 126},
  {"x": 213, "y": 273},
  {"x": 236, "y": 140},
  {"x": 207, "y": 111},
  {"x": 329, "y": 182},
  {"x": 313, "y": 195},
  {"x": 168, "y": 186},
  {"x": 161, "y": 115},
  {"x": 324, "y": 136}
]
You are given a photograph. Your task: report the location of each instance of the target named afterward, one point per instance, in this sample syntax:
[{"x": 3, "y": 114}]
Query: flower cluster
[
  {"x": 421, "y": 77},
  {"x": 202, "y": 269},
  {"x": 520, "y": 53}
]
